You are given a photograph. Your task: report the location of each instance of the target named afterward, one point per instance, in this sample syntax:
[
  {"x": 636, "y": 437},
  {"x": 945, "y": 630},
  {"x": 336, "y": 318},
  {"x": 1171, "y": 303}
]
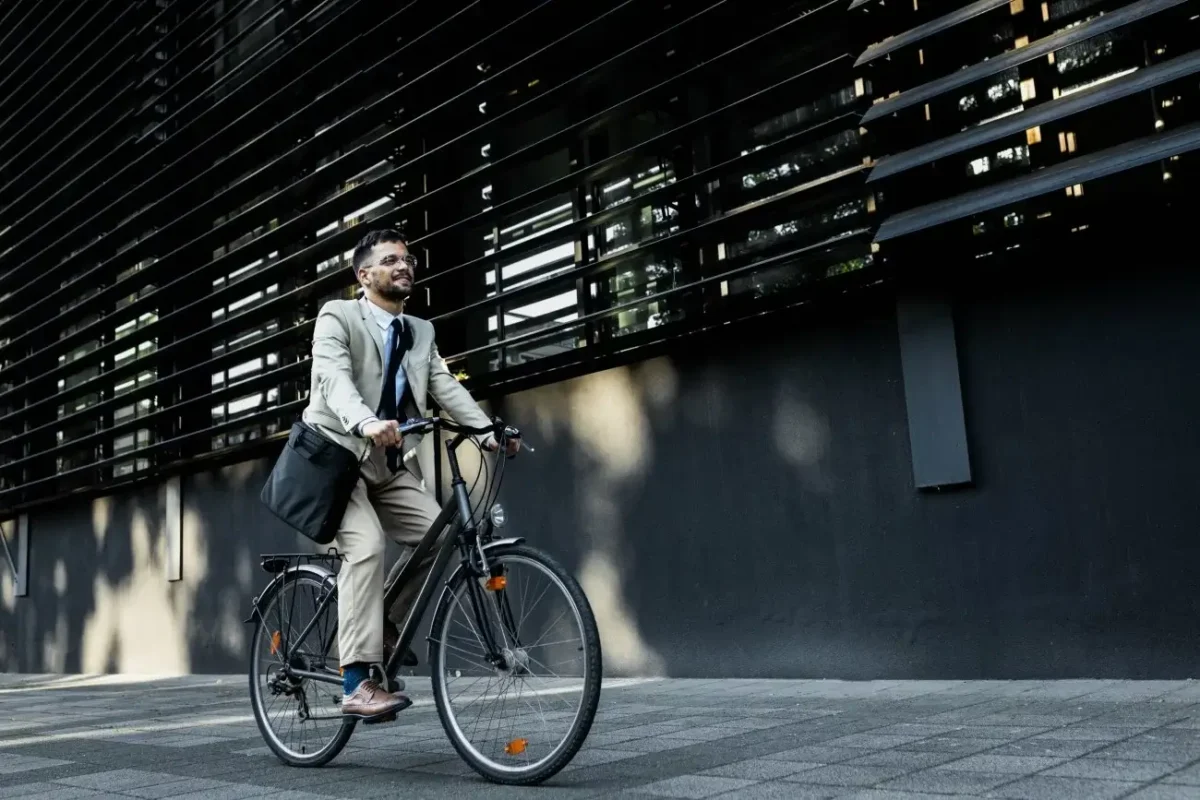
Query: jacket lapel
[
  {"x": 415, "y": 377},
  {"x": 372, "y": 329}
]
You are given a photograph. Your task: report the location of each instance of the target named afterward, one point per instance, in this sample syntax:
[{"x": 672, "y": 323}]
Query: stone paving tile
[
  {"x": 1089, "y": 733},
  {"x": 873, "y": 741},
  {"x": 951, "y": 744},
  {"x": 118, "y": 780},
  {"x": 26, "y": 789},
  {"x": 759, "y": 769},
  {"x": 232, "y": 791},
  {"x": 591, "y": 757},
  {"x": 1189, "y": 776},
  {"x": 1141, "y": 750},
  {"x": 1046, "y": 787},
  {"x": 173, "y": 788},
  {"x": 67, "y": 793},
  {"x": 847, "y": 775},
  {"x": 917, "y": 729},
  {"x": 1112, "y": 769},
  {"x": 1047, "y": 748},
  {"x": 900, "y": 758},
  {"x": 11, "y": 763},
  {"x": 1164, "y": 792},
  {"x": 651, "y": 745},
  {"x": 1003, "y": 765},
  {"x": 774, "y": 790},
  {"x": 699, "y": 734},
  {"x": 941, "y": 781},
  {"x": 818, "y": 754},
  {"x": 891, "y": 794},
  {"x": 1004, "y": 732},
  {"x": 693, "y": 786},
  {"x": 1015, "y": 740}
]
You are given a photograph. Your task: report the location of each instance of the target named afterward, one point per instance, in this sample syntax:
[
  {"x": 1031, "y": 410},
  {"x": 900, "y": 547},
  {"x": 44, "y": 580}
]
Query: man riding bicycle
[{"x": 372, "y": 366}]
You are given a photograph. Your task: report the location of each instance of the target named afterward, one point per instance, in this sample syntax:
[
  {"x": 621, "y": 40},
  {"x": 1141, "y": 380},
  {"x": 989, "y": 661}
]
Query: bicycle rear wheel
[
  {"x": 540, "y": 622},
  {"x": 299, "y": 718}
]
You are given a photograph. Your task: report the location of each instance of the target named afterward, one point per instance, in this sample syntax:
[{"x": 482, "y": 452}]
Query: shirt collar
[{"x": 382, "y": 317}]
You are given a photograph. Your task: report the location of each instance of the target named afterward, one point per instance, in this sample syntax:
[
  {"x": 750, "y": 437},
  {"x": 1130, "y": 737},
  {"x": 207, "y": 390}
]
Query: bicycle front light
[{"x": 499, "y": 516}]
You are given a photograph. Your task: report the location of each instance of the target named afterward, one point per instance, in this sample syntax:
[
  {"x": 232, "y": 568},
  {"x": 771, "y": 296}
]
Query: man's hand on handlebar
[
  {"x": 382, "y": 432},
  {"x": 512, "y": 445}
]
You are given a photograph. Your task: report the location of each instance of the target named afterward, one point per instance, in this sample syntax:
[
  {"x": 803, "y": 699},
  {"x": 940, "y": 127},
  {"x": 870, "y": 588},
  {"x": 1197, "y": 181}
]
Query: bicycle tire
[
  {"x": 592, "y": 681},
  {"x": 341, "y": 738}
]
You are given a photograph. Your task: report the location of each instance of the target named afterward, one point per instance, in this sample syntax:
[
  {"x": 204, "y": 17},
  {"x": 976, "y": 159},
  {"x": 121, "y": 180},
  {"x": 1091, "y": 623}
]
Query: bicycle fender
[
  {"x": 490, "y": 545},
  {"x": 316, "y": 570}
]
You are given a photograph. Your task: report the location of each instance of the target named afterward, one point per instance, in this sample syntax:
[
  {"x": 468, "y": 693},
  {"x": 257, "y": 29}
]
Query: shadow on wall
[
  {"x": 601, "y": 424},
  {"x": 99, "y": 597},
  {"x": 680, "y": 492}
]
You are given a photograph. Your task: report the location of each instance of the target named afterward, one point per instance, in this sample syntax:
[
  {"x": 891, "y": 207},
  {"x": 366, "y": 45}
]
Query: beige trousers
[{"x": 382, "y": 504}]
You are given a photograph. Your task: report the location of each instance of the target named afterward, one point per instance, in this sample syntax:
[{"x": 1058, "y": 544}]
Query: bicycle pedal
[{"x": 380, "y": 720}]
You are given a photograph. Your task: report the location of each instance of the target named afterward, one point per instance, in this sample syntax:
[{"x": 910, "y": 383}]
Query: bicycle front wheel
[{"x": 516, "y": 666}]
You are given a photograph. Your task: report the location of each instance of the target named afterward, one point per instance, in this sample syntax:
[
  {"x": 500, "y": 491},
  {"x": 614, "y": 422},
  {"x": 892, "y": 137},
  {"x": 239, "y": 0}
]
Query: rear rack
[{"x": 275, "y": 563}]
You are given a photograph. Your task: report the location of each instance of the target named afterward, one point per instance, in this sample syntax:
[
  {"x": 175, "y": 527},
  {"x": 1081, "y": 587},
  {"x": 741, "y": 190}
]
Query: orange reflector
[
  {"x": 516, "y": 746},
  {"x": 496, "y": 584},
  {"x": 275, "y": 639}
]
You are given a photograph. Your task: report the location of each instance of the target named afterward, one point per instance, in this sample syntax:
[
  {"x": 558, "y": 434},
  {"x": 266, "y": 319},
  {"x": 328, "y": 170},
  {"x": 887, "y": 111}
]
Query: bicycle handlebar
[{"x": 498, "y": 428}]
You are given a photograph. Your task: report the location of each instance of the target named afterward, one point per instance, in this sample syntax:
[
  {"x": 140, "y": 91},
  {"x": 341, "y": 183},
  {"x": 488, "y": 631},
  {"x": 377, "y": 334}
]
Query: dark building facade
[{"x": 855, "y": 339}]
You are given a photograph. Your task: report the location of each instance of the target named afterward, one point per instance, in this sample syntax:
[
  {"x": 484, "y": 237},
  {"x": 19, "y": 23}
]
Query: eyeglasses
[{"x": 393, "y": 259}]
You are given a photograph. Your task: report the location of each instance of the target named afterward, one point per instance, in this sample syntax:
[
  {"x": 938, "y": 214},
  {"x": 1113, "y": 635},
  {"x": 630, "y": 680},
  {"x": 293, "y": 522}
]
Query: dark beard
[{"x": 390, "y": 291}]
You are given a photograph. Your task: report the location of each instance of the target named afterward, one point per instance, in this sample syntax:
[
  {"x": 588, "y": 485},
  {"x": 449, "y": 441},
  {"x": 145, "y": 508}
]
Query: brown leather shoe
[
  {"x": 371, "y": 702},
  {"x": 391, "y": 638}
]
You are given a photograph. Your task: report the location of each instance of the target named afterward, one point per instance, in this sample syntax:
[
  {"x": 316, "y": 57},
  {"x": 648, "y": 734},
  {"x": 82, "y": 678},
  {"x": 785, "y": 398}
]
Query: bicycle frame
[{"x": 456, "y": 512}]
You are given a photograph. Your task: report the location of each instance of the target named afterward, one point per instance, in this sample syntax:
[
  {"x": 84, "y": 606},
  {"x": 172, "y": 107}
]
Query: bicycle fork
[{"x": 500, "y": 654}]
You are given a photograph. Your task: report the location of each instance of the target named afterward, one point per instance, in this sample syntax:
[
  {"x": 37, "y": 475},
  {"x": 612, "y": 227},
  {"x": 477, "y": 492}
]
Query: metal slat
[
  {"x": 1140, "y": 81},
  {"x": 111, "y": 208},
  {"x": 49, "y": 38},
  {"x": 1117, "y": 159},
  {"x": 231, "y": 358},
  {"x": 827, "y": 182},
  {"x": 267, "y": 241},
  {"x": 270, "y": 181},
  {"x": 274, "y": 413},
  {"x": 762, "y": 264},
  {"x": 261, "y": 382},
  {"x": 934, "y": 26},
  {"x": 1094, "y": 27},
  {"x": 45, "y": 150},
  {"x": 388, "y": 138}
]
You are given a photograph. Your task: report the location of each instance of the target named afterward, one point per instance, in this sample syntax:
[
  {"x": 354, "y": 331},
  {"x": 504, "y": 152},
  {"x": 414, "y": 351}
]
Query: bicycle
[{"x": 481, "y": 586}]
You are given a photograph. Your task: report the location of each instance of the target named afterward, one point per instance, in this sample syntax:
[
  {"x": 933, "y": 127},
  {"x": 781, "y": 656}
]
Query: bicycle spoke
[
  {"x": 518, "y": 713},
  {"x": 300, "y": 717}
]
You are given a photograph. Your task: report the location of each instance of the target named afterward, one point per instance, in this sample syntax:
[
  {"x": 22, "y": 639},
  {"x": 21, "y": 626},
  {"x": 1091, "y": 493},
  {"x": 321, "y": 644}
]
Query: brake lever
[{"x": 510, "y": 432}]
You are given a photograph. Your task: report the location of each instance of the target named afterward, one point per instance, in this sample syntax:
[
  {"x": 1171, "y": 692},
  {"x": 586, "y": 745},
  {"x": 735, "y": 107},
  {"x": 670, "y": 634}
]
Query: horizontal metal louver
[{"x": 181, "y": 185}]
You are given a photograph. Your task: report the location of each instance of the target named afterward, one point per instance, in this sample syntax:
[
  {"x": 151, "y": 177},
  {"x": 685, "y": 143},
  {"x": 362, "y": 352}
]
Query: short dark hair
[{"x": 379, "y": 236}]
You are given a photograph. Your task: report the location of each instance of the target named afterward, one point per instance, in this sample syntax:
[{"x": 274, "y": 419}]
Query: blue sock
[{"x": 353, "y": 675}]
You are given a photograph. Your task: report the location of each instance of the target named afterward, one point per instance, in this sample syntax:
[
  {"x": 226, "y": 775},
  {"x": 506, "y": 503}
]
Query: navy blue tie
[{"x": 389, "y": 404}]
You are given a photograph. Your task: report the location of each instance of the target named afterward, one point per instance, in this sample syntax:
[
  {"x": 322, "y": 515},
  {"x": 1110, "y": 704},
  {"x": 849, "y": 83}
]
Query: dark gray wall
[{"x": 746, "y": 508}]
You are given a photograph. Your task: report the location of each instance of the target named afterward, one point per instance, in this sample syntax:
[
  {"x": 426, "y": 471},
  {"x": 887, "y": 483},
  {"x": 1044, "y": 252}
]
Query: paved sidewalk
[{"x": 67, "y": 738}]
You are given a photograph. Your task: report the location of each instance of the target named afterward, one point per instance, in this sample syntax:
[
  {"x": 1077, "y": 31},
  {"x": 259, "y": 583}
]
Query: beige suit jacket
[{"x": 347, "y": 380}]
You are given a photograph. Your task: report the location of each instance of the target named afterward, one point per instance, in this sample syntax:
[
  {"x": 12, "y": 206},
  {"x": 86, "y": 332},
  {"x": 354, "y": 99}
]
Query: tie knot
[{"x": 397, "y": 325}]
